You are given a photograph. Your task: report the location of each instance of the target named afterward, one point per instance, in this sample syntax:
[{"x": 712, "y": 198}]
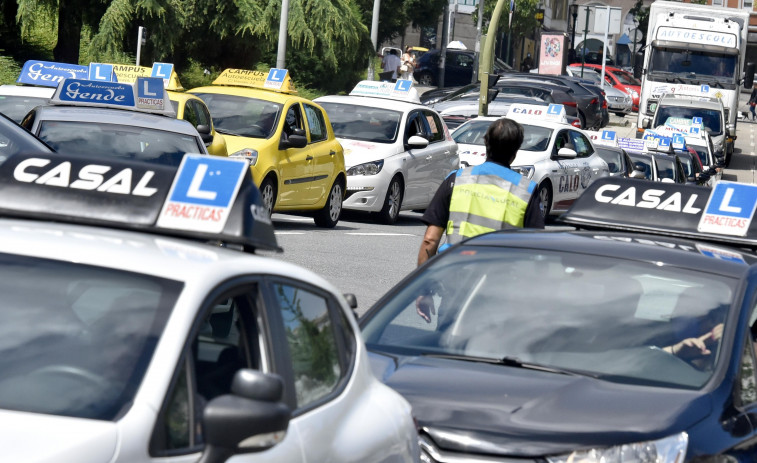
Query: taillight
[
  {"x": 576, "y": 123},
  {"x": 594, "y": 101},
  {"x": 572, "y": 104},
  {"x": 604, "y": 103}
]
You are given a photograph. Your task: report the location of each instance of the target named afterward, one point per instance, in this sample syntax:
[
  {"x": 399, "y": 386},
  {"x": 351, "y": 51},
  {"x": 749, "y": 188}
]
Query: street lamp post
[
  {"x": 574, "y": 13},
  {"x": 635, "y": 41}
]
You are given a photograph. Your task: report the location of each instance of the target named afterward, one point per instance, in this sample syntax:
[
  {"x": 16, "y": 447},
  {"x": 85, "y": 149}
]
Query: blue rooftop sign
[
  {"x": 87, "y": 91},
  {"x": 49, "y": 74}
]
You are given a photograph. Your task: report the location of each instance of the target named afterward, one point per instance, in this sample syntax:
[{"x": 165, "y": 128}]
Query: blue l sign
[
  {"x": 730, "y": 209},
  {"x": 207, "y": 181},
  {"x": 608, "y": 135},
  {"x": 554, "y": 109},
  {"x": 403, "y": 85},
  {"x": 277, "y": 75},
  {"x": 101, "y": 72}
]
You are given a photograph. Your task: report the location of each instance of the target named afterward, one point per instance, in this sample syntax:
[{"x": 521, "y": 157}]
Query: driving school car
[
  {"x": 641, "y": 350},
  {"x": 37, "y": 82},
  {"x": 104, "y": 118},
  {"x": 139, "y": 326},
  {"x": 294, "y": 157},
  {"x": 397, "y": 152},
  {"x": 186, "y": 106},
  {"x": 558, "y": 157}
]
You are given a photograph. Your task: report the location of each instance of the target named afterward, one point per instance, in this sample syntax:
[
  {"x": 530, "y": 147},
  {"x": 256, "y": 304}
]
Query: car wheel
[
  {"x": 268, "y": 194},
  {"x": 582, "y": 120},
  {"x": 329, "y": 215},
  {"x": 620, "y": 114},
  {"x": 545, "y": 198},
  {"x": 392, "y": 203},
  {"x": 426, "y": 79}
]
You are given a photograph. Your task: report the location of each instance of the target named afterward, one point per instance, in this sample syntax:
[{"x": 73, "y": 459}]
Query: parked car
[
  {"x": 620, "y": 79},
  {"x": 458, "y": 68},
  {"x": 617, "y": 160},
  {"x": 455, "y": 112}
]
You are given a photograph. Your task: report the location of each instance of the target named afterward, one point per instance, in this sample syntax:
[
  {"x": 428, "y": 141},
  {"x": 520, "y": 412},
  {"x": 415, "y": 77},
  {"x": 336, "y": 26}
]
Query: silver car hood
[{"x": 38, "y": 438}]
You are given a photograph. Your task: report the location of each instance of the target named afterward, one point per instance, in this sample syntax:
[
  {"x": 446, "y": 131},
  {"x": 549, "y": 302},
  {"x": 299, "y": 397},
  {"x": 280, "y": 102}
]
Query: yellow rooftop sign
[{"x": 275, "y": 79}]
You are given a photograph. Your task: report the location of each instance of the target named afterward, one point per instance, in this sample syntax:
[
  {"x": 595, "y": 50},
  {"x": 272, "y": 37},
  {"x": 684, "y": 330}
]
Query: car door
[
  {"x": 323, "y": 151},
  {"x": 458, "y": 69},
  {"x": 295, "y": 165},
  {"x": 565, "y": 173},
  {"x": 230, "y": 332},
  {"x": 317, "y": 362},
  {"x": 417, "y": 167},
  {"x": 443, "y": 153}
]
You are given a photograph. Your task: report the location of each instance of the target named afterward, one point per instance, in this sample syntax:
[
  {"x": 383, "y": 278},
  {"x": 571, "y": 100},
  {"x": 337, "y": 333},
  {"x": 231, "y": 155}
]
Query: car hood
[
  {"x": 357, "y": 151},
  {"x": 45, "y": 438},
  {"x": 494, "y": 409}
]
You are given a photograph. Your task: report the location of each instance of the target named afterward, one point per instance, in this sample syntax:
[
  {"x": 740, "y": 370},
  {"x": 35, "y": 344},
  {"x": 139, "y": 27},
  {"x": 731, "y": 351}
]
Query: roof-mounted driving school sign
[
  {"x": 102, "y": 72},
  {"x": 603, "y": 138},
  {"x": 203, "y": 193},
  {"x": 401, "y": 90},
  {"x": 729, "y": 210},
  {"x": 631, "y": 144},
  {"x": 552, "y": 113},
  {"x": 274, "y": 79},
  {"x": 49, "y": 74}
]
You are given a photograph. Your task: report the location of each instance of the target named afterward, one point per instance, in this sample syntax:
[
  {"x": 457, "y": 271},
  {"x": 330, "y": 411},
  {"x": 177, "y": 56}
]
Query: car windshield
[
  {"x": 642, "y": 164},
  {"x": 16, "y": 107},
  {"x": 242, "y": 116},
  {"x": 692, "y": 66},
  {"x": 79, "y": 344},
  {"x": 534, "y": 138},
  {"x": 357, "y": 122},
  {"x": 710, "y": 117},
  {"x": 119, "y": 141},
  {"x": 607, "y": 317},
  {"x": 626, "y": 78}
]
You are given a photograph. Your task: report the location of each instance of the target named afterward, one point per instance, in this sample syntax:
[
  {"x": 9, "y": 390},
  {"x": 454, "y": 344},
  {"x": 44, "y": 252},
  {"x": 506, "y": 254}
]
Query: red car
[{"x": 620, "y": 79}]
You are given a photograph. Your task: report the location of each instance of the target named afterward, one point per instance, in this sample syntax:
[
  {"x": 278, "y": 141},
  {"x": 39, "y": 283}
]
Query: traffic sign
[{"x": 729, "y": 209}]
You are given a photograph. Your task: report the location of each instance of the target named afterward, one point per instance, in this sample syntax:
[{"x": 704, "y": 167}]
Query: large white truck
[{"x": 695, "y": 50}]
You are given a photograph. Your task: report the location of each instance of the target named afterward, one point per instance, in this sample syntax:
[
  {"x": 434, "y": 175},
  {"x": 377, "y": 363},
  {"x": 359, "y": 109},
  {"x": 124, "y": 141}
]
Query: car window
[
  {"x": 435, "y": 127},
  {"x": 312, "y": 339},
  {"x": 226, "y": 341},
  {"x": 535, "y": 138},
  {"x": 472, "y": 133},
  {"x": 463, "y": 60},
  {"x": 612, "y": 158},
  {"x": 415, "y": 125},
  {"x": 16, "y": 107},
  {"x": 365, "y": 123},
  {"x": 293, "y": 120},
  {"x": 203, "y": 115},
  {"x": 581, "y": 143},
  {"x": 643, "y": 165},
  {"x": 119, "y": 141},
  {"x": 316, "y": 123},
  {"x": 666, "y": 168}
]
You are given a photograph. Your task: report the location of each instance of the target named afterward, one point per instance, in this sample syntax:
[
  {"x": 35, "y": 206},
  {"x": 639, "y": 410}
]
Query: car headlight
[
  {"x": 632, "y": 92},
  {"x": 526, "y": 171},
  {"x": 670, "y": 449},
  {"x": 247, "y": 153},
  {"x": 368, "y": 168}
]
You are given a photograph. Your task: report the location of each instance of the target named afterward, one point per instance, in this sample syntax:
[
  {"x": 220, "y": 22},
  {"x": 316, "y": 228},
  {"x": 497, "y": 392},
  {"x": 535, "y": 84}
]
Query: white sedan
[
  {"x": 135, "y": 327},
  {"x": 396, "y": 151},
  {"x": 558, "y": 157}
]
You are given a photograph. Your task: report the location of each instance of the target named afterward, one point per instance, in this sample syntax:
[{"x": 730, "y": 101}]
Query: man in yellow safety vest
[{"x": 481, "y": 199}]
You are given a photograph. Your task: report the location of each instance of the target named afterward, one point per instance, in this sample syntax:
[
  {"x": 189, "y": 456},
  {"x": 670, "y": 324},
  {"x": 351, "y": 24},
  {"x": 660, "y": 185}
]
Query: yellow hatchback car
[
  {"x": 187, "y": 107},
  {"x": 295, "y": 159}
]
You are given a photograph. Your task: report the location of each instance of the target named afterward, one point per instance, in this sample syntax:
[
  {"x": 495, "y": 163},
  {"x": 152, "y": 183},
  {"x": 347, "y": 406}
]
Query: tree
[
  {"x": 524, "y": 18},
  {"x": 641, "y": 13}
]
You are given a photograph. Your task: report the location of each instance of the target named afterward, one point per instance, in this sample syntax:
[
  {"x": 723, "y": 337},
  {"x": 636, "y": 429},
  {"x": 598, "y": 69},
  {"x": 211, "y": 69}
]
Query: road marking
[
  {"x": 292, "y": 219},
  {"x": 288, "y": 233},
  {"x": 379, "y": 234}
]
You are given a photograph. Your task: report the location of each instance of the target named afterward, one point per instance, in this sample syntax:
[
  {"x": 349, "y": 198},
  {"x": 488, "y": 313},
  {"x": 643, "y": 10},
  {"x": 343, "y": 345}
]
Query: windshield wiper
[
  {"x": 227, "y": 132},
  {"x": 513, "y": 362},
  {"x": 667, "y": 75}
]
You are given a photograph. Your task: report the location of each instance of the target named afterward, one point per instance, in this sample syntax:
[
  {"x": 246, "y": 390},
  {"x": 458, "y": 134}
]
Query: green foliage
[
  {"x": 641, "y": 13},
  {"x": 9, "y": 70},
  {"x": 524, "y": 17}
]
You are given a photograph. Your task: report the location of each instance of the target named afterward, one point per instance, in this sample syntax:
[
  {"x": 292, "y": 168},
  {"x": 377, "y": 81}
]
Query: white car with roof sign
[
  {"x": 396, "y": 151},
  {"x": 103, "y": 118},
  {"x": 37, "y": 82},
  {"x": 691, "y": 135},
  {"x": 150, "y": 332},
  {"x": 558, "y": 157}
]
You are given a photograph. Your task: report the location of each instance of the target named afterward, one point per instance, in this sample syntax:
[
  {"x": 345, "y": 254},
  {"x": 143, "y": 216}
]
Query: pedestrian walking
[{"x": 753, "y": 102}]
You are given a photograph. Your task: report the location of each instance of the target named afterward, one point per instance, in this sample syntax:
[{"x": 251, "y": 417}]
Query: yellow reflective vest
[{"x": 485, "y": 198}]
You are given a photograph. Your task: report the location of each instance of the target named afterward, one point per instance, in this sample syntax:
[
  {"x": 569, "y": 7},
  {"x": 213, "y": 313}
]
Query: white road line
[
  {"x": 379, "y": 234},
  {"x": 292, "y": 219}
]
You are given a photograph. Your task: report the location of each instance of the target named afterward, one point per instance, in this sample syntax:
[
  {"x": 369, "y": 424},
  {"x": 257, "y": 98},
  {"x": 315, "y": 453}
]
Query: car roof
[
  {"x": 26, "y": 90},
  {"x": 114, "y": 116},
  {"x": 381, "y": 103}
]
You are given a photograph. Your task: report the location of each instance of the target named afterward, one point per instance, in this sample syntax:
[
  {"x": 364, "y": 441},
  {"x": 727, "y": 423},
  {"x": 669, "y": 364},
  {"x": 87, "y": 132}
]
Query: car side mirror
[
  {"x": 292, "y": 141},
  {"x": 417, "y": 142},
  {"x": 250, "y": 419},
  {"x": 204, "y": 131},
  {"x": 646, "y": 123},
  {"x": 491, "y": 94},
  {"x": 749, "y": 75},
  {"x": 566, "y": 153}
]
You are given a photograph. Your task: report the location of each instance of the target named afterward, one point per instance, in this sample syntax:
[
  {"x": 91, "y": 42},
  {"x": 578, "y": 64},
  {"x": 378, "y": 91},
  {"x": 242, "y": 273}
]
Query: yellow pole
[{"x": 486, "y": 58}]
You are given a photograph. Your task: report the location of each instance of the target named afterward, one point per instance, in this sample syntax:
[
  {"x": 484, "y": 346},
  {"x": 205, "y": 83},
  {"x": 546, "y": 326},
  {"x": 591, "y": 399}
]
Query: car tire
[
  {"x": 620, "y": 114},
  {"x": 390, "y": 212},
  {"x": 582, "y": 120},
  {"x": 426, "y": 79},
  {"x": 329, "y": 215},
  {"x": 544, "y": 193},
  {"x": 268, "y": 194}
]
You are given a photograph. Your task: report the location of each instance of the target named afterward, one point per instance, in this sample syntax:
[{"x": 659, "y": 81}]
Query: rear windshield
[
  {"x": 119, "y": 141},
  {"x": 710, "y": 117},
  {"x": 75, "y": 340}
]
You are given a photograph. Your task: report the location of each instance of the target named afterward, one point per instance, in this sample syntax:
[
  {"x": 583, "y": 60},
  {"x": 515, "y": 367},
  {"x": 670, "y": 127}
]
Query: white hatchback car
[
  {"x": 557, "y": 156},
  {"x": 397, "y": 152},
  {"x": 135, "y": 328}
]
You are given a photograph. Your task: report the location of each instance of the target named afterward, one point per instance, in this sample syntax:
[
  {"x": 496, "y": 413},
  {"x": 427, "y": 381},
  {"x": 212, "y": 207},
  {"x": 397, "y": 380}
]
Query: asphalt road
[{"x": 365, "y": 258}]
